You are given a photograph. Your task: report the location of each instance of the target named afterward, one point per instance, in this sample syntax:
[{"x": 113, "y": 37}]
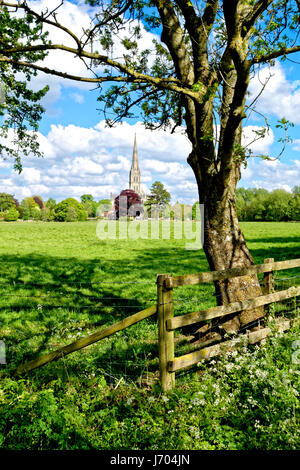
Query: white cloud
[
  {"x": 280, "y": 98},
  {"x": 77, "y": 18},
  {"x": 122, "y": 165},
  {"x": 77, "y": 97},
  {"x": 258, "y": 145},
  {"x": 73, "y": 139},
  {"x": 82, "y": 166},
  {"x": 151, "y": 143},
  {"x": 97, "y": 160},
  {"x": 31, "y": 175},
  {"x": 296, "y": 145},
  {"x": 271, "y": 174}
]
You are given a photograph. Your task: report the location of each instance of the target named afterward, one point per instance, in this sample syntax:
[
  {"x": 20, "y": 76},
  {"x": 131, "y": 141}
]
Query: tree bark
[{"x": 225, "y": 246}]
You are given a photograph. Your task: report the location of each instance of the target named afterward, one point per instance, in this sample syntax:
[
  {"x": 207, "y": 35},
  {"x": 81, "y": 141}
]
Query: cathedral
[{"x": 135, "y": 173}]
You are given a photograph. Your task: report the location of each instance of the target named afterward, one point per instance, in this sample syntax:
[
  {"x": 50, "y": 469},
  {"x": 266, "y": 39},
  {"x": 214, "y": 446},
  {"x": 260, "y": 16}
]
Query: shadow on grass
[
  {"x": 39, "y": 293},
  {"x": 49, "y": 290}
]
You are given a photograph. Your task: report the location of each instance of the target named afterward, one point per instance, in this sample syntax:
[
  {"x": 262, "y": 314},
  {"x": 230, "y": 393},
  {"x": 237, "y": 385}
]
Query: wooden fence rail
[
  {"x": 83, "y": 342},
  {"x": 223, "y": 310},
  {"x": 168, "y": 323},
  {"x": 268, "y": 267},
  {"x": 187, "y": 360}
]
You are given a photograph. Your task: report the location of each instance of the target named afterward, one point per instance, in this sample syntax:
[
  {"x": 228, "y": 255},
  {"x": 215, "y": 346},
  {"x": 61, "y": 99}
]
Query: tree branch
[
  {"x": 167, "y": 83},
  {"x": 109, "y": 18},
  {"x": 273, "y": 55},
  {"x": 173, "y": 37},
  {"x": 44, "y": 19},
  {"x": 132, "y": 104},
  {"x": 68, "y": 76},
  {"x": 199, "y": 28},
  {"x": 257, "y": 10}
]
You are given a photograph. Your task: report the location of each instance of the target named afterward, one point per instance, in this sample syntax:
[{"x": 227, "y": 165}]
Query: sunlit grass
[{"x": 58, "y": 282}]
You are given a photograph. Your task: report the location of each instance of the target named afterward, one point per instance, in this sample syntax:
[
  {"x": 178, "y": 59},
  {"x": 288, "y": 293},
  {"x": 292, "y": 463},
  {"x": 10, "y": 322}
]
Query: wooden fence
[{"x": 167, "y": 322}]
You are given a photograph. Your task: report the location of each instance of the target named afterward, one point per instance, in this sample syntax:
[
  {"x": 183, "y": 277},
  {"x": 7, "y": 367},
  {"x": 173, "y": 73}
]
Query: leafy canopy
[
  {"x": 20, "y": 108},
  {"x": 159, "y": 196},
  {"x": 197, "y": 74}
]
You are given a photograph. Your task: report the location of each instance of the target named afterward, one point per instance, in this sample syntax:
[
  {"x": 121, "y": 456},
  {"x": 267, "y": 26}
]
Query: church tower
[{"x": 135, "y": 174}]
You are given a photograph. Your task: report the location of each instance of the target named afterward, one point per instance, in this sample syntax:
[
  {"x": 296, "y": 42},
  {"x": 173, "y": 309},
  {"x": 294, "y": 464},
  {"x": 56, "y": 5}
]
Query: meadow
[{"x": 60, "y": 282}]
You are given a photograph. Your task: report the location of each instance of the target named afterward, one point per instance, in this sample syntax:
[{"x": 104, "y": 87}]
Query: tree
[
  {"x": 39, "y": 201},
  {"x": 256, "y": 209},
  {"x": 159, "y": 196},
  {"x": 7, "y": 201},
  {"x": 296, "y": 190},
  {"x": 86, "y": 197},
  {"x": 29, "y": 209},
  {"x": 62, "y": 210},
  {"x": 198, "y": 75},
  {"x": 195, "y": 209},
  {"x": 278, "y": 205},
  {"x": 295, "y": 207},
  {"x": 51, "y": 203},
  {"x": 260, "y": 204},
  {"x": 128, "y": 203},
  {"x": 35, "y": 213},
  {"x": 11, "y": 215},
  {"x": 71, "y": 214},
  {"x": 240, "y": 206},
  {"x": 20, "y": 108},
  {"x": 89, "y": 204},
  {"x": 47, "y": 214},
  {"x": 105, "y": 204}
]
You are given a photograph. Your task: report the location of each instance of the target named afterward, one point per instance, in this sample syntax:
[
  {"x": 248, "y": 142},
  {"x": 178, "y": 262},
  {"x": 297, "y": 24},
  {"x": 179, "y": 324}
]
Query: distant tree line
[
  {"x": 35, "y": 208},
  {"x": 262, "y": 205},
  {"x": 252, "y": 205}
]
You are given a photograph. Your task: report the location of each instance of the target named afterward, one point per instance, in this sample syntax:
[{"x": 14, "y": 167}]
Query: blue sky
[{"x": 83, "y": 156}]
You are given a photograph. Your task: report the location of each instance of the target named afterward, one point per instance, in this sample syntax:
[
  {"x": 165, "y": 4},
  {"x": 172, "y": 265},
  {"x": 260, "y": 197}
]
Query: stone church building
[
  {"x": 134, "y": 176},
  {"x": 135, "y": 173}
]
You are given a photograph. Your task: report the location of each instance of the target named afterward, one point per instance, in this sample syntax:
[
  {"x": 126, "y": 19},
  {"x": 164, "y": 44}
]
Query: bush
[
  {"x": 71, "y": 215},
  {"x": 39, "y": 201},
  {"x": 35, "y": 213},
  {"x": 61, "y": 210},
  {"x": 47, "y": 214},
  {"x": 11, "y": 215},
  {"x": 7, "y": 201},
  {"x": 29, "y": 209}
]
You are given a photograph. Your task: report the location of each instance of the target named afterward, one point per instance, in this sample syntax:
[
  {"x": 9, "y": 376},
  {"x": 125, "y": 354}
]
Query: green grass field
[{"x": 59, "y": 282}]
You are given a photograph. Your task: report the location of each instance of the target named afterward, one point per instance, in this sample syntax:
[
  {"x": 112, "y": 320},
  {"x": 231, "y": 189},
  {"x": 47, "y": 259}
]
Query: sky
[{"x": 82, "y": 155}]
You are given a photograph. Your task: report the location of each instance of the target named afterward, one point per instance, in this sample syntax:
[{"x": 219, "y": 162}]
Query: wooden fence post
[
  {"x": 165, "y": 311},
  {"x": 268, "y": 282}
]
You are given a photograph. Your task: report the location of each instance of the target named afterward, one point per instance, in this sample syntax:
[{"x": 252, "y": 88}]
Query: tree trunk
[{"x": 225, "y": 247}]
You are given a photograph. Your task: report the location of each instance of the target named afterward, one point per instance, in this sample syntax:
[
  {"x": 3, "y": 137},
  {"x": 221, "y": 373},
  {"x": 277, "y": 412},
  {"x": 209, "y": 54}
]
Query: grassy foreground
[{"x": 59, "y": 282}]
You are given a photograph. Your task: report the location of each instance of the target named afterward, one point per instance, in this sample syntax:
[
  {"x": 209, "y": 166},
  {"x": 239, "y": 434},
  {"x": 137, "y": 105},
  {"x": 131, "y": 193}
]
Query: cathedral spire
[
  {"x": 135, "y": 161},
  {"x": 135, "y": 174}
]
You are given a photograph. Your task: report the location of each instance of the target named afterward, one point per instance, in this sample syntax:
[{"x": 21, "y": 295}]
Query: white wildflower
[{"x": 257, "y": 424}]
